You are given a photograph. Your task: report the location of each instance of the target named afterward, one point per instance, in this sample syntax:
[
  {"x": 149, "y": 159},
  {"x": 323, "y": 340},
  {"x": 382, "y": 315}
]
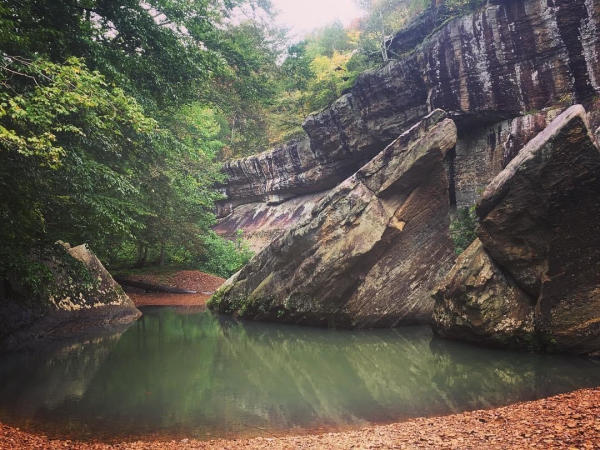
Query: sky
[{"x": 303, "y": 16}]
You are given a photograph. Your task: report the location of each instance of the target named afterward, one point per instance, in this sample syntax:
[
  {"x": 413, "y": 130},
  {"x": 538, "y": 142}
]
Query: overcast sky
[{"x": 303, "y": 16}]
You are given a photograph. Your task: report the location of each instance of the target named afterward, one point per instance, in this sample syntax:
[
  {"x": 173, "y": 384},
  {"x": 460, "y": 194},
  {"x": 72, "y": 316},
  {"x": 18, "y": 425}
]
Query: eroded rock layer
[
  {"x": 509, "y": 58},
  {"x": 371, "y": 250},
  {"x": 539, "y": 225},
  {"x": 262, "y": 222}
]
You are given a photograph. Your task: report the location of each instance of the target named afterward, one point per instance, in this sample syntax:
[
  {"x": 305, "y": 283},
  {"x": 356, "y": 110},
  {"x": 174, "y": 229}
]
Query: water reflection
[{"x": 203, "y": 375}]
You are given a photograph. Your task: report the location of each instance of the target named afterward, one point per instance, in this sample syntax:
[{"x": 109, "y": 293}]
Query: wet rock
[
  {"x": 371, "y": 249},
  {"x": 478, "y": 303},
  {"x": 74, "y": 294}
]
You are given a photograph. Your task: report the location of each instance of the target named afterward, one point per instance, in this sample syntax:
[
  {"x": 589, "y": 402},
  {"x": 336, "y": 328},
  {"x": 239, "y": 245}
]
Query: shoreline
[{"x": 570, "y": 420}]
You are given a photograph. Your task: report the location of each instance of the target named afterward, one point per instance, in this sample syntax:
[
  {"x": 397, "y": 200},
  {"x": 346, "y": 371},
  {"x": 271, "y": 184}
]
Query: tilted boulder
[
  {"x": 539, "y": 224},
  {"x": 477, "y": 302},
  {"x": 75, "y": 295},
  {"x": 371, "y": 250}
]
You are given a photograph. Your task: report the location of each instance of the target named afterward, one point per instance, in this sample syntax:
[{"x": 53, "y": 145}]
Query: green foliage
[
  {"x": 383, "y": 19},
  {"x": 223, "y": 257},
  {"x": 63, "y": 104},
  {"x": 50, "y": 272},
  {"x": 459, "y": 7},
  {"x": 317, "y": 70},
  {"x": 76, "y": 181},
  {"x": 112, "y": 115},
  {"x": 463, "y": 229}
]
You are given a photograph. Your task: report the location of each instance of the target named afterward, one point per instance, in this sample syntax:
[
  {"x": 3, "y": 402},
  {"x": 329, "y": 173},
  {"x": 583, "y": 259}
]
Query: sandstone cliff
[
  {"x": 500, "y": 71},
  {"x": 352, "y": 255}
]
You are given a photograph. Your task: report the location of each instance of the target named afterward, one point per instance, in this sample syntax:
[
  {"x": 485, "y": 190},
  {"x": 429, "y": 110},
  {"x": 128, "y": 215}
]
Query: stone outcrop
[
  {"x": 507, "y": 59},
  {"x": 483, "y": 152},
  {"x": 346, "y": 257},
  {"x": 480, "y": 154},
  {"x": 75, "y": 295},
  {"x": 371, "y": 250},
  {"x": 262, "y": 222},
  {"x": 477, "y": 302},
  {"x": 539, "y": 224},
  {"x": 510, "y": 57}
]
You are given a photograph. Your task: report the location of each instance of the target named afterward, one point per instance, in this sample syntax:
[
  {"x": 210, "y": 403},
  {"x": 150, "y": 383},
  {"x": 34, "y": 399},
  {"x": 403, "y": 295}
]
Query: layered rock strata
[
  {"x": 78, "y": 296},
  {"x": 539, "y": 231},
  {"x": 506, "y": 59},
  {"x": 262, "y": 222},
  {"x": 371, "y": 250}
]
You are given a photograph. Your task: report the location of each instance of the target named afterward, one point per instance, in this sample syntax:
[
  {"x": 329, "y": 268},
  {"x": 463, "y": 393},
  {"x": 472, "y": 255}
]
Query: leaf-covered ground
[
  {"x": 568, "y": 421},
  {"x": 203, "y": 283}
]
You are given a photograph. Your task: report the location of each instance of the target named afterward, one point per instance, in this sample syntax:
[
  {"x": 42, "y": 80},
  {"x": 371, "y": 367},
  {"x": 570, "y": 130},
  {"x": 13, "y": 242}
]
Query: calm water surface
[{"x": 201, "y": 375}]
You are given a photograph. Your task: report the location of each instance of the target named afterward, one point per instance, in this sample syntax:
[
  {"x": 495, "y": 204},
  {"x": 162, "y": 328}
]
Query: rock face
[
  {"x": 360, "y": 254},
  {"x": 504, "y": 72},
  {"x": 483, "y": 152},
  {"x": 371, "y": 249},
  {"x": 506, "y": 59},
  {"x": 509, "y": 57},
  {"x": 262, "y": 222},
  {"x": 480, "y": 154},
  {"x": 539, "y": 224},
  {"x": 77, "y": 295},
  {"x": 477, "y": 302}
]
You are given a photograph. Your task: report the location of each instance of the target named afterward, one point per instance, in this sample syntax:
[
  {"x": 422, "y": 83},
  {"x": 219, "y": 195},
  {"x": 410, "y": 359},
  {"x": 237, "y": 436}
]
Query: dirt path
[
  {"x": 569, "y": 421},
  {"x": 194, "y": 280}
]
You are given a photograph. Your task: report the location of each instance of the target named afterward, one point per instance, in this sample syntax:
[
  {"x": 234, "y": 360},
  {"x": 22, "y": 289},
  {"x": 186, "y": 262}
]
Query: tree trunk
[
  {"x": 384, "y": 53},
  {"x": 142, "y": 255},
  {"x": 161, "y": 262}
]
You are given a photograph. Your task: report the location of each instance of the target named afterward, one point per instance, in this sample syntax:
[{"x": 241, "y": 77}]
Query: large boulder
[
  {"x": 539, "y": 224},
  {"x": 67, "y": 292},
  {"x": 371, "y": 250},
  {"x": 477, "y": 302}
]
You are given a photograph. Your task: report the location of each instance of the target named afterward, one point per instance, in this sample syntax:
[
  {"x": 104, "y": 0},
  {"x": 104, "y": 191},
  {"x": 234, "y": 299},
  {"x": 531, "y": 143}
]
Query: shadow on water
[{"x": 200, "y": 375}]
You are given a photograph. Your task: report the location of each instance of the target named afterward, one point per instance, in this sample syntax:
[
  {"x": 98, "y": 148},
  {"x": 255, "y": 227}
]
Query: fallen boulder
[
  {"x": 371, "y": 250},
  {"x": 539, "y": 225},
  {"x": 68, "y": 293},
  {"x": 477, "y": 302}
]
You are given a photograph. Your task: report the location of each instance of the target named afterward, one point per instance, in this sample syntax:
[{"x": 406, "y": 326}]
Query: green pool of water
[{"x": 199, "y": 375}]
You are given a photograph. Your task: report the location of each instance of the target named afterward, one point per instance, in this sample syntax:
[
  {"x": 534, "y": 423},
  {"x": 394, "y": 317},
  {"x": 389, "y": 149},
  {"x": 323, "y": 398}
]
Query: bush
[
  {"x": 462, "y": 229},
  {"x": 223, "y": 257}
]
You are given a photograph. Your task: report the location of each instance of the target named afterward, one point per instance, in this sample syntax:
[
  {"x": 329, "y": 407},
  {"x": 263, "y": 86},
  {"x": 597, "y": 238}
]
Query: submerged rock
[
  {"x": 539, "y": 224},
  {"x": 71, "y": 294},
  {"x": 371, "y": 250}
]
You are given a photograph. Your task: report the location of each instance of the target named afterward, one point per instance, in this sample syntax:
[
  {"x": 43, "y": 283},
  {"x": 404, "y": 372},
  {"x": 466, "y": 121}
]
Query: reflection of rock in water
[
  {"x": 471, "y": 378},
  {"x": 42, "y": 380},
  {"x": 201, "y": 375}
]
